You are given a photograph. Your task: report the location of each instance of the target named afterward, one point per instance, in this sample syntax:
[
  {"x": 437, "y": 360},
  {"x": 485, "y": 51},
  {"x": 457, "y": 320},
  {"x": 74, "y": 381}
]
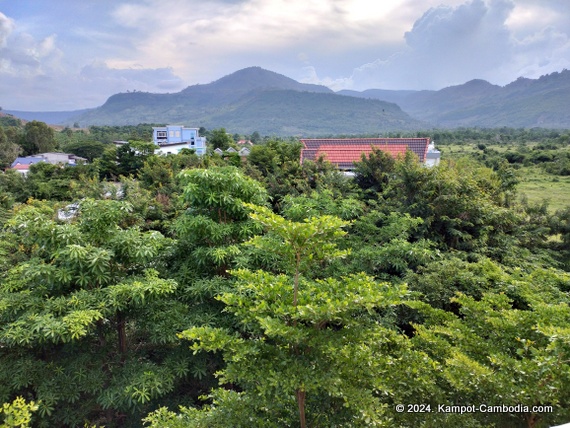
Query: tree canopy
[{"x": 209, "y": 291}]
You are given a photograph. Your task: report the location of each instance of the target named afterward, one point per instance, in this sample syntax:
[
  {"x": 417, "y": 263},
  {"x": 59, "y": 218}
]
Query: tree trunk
[
  {"x": 296, "y": 280},
  {"x": 122, "y": 334},
  {"x": 301, "y": 403},
  {"x": 531, "y": 420},
  {"x": 299, "y": 393}
]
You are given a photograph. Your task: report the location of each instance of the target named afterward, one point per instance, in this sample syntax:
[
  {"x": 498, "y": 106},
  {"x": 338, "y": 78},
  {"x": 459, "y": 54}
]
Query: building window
[
  {"x": 160, "y": 134},
  {"x": 177, "y": 134},
  {"x": 171, "y": 133}
]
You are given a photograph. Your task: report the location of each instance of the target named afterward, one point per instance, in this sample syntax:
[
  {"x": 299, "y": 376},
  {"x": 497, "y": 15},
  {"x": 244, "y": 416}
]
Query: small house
[
  {"x": 22, "y": 164},
  {"x": 172, "y": 139}
]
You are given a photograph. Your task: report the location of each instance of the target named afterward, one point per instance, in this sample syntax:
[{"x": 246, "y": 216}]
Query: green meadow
[{"x": 535, "y": 184}]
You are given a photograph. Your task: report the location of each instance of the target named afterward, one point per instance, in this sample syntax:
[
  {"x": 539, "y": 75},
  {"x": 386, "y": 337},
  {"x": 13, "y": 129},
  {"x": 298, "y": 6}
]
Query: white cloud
[
  {"x": 475, "y": 39},
  {"x": 310, "y": 76},
  {"x": 200, "y": 37},
  {"x": 23, "y": 56},
  {"x": 139, "y": 79},
  {"x": 550, "y": 49},
  {"x": 35, "y": 76},
  {"x": 78, "y": 55},
  {"x": 6, "y": 27}
]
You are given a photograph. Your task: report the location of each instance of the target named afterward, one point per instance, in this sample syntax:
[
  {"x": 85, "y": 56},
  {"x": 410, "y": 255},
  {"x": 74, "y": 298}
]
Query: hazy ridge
[{"x": 254, "y": 99}]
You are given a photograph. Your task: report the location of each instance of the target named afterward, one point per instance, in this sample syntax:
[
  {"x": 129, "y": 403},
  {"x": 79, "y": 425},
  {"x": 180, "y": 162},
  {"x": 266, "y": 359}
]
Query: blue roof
[{"x": 26, "y": 161}]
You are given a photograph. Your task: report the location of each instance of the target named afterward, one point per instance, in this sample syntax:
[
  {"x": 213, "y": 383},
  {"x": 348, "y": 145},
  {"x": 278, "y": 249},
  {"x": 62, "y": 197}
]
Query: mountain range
[
  {"x": 524, "y": 103},
  {"x": 254, "y": 99}
]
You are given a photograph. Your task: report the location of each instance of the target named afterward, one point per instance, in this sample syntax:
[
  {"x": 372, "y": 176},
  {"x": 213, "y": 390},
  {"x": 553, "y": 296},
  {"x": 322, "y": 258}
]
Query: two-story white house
[{"x": 173, "y": 138}]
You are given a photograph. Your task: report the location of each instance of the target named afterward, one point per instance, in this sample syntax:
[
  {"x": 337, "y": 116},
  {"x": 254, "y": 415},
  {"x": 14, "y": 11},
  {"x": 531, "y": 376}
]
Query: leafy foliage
[
  {"x": 17, "y": 414},
  {"x": 348, "y": 297},
  {"x": 498, "y": 355},
  {"x": 85, "y": 317},
  {"x": 37, "y": 138},
  {"x": 220, "y": 139},
  {"x": 132, "y": 156},
  {"x": 318, "y": 341},
  {"x": 373, "y": 171},
  {"x": 8, "y": 150},
  {"x": 216, "y": 221}
]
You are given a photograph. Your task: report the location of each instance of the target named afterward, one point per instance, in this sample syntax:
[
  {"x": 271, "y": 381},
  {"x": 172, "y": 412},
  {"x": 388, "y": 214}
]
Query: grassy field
[{"x": 535, "y": 184}]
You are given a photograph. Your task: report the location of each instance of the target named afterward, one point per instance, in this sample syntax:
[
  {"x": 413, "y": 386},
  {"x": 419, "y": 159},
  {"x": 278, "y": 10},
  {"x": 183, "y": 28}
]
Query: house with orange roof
[
  {"x": 343, "y": 152},
  {"x": 22, "y": 164}
]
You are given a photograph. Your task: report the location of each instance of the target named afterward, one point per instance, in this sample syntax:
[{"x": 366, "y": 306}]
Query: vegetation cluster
[{"x": 219, "y": 291}]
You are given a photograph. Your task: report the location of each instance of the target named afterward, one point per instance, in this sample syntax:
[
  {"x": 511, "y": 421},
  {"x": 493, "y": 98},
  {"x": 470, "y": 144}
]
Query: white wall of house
[
  {"x": 432, "y": 156},
  {"x": 173, "y": 138}
]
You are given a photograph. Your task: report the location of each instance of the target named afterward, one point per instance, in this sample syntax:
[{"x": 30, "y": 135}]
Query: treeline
[
  {"x": 261, "y": 292},
  {"x": 476, "y": 135},
  {"x": 552, "y": 157},
  {"x": 18, "y": 139}
]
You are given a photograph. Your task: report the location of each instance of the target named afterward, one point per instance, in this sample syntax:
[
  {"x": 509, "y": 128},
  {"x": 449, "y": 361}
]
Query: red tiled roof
[
  {"x": 21, "y": 167},
  {"x": 344, "y": 152}
]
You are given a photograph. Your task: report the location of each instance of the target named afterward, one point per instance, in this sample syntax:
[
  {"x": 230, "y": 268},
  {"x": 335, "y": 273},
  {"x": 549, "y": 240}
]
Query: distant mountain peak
[
  {"x": 478, "y": 82},
  {"x": 252, "y": 78},
  {"x": 254, "y": 72},
  {"x": 521, "y": 82}
]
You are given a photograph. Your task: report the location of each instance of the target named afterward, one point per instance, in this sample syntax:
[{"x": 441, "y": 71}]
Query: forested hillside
[
  {"x": 527, "y": 103},
  {"x": 238, "y": 101},
  {"x": 184, "y": 291},
  {"x": 251, "y": 100}
]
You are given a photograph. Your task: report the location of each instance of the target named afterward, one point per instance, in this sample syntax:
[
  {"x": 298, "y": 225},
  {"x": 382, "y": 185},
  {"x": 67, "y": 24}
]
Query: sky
[{"x": 58, "y": 55}]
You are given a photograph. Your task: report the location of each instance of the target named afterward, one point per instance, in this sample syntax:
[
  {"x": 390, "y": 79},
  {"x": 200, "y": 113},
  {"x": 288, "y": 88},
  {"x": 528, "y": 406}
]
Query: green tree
[
  {"x": 278, "y": 162},
  {"x": 108, "y": 134},
  {"x": 385, "y": 245},
  {"x": 373, "y": 172},
  {"x": 107, "y": 164},
  {"x": 89, "y": 150},
  {"x": 220, "y": 139},
  {"x": 318, "y": 203},
  {"x": 132, "y": 156},
  {"x": 255, "y": 138},
  {"x": 215, "y": 223},
  {"x": 461, "y": 205},
  {"x": 300, "y": 244},
  {"x": 38, "y": 138},
  {"x": 47, "y": 181},
  {"x": 87, "y": 325},
  {"x": 159, "y": 173},
  {"x": 491, "y": 353},
  {"x": 273, "y": 154},
  {"x": 8, "y": 150},
  {"x": 14, "y": 186},
  {"x": 14, "y": 134},
  {"x": 312, "y": 352},
  {"x": 560, "y": 223}
]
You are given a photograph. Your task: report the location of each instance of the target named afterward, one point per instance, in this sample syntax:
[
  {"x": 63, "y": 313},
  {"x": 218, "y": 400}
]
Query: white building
[
  {"x": 432, "y": 156},
  {"x": 173, "y": 138}
]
